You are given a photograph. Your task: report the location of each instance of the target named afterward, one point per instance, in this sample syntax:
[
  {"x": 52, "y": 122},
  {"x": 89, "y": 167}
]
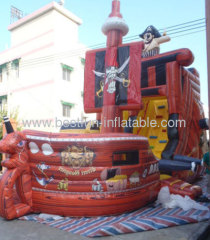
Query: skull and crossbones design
[{"x": 112, "y": 75}]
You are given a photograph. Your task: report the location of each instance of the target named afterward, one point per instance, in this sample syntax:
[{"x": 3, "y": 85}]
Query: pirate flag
[{"x": 122, "y": 80}]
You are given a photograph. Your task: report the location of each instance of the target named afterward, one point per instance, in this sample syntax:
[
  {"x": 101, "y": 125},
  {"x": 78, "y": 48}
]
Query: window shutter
[
  {"x": 3, "y": 66},
  {"x": 82, "y": 60},
  {"x": 68, "y": 104},
  {"x": 67, "y": 67}
]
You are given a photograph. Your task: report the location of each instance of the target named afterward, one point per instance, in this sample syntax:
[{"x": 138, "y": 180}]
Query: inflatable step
[
  {"x": 161, "y": 107},
  {"x": 177, "y": 186},
  {"x": 153, "y": 137}
]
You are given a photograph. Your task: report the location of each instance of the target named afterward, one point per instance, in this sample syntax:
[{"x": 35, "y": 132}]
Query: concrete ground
[{"x": 27, "y": 230}]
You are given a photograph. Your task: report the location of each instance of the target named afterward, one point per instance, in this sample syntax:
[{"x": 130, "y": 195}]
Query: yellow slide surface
[{"x": 155, "y": 110}]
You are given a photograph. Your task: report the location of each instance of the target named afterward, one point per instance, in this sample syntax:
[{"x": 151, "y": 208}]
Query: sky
[{"x": 138, "y": 14}]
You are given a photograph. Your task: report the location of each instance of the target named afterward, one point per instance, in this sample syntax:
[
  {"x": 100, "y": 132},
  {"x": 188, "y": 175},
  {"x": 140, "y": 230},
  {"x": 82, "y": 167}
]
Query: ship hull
[{"x": 93, "y": 204}]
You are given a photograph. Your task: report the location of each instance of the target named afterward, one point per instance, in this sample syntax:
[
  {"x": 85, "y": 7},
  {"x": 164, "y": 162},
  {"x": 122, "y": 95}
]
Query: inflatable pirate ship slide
[{"x": 139, "y": 96}]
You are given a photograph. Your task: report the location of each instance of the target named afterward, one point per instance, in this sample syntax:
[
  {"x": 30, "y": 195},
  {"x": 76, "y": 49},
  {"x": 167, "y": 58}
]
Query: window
[
  {"x": 67, "y": 70},
  {"x": 3, "y": 67},
  {"x": 3, "y": 103},
  {"x": 66, "y": 74},
  {"x": 66, "y": 111},
  {"x": 0, "y": 74},
  {"x": 125, "y": 158},
  {"x": 15, "y": 66},
  {"x": 67, "y": 108}
]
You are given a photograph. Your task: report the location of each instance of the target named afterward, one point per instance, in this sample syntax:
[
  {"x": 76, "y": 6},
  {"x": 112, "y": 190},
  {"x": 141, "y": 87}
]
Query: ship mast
[{"x": 114, "y": 28}]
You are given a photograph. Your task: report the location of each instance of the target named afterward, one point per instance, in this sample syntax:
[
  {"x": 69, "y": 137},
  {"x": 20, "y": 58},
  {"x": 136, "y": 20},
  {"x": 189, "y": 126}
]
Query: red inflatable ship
[{"x": 131, "y": 87}]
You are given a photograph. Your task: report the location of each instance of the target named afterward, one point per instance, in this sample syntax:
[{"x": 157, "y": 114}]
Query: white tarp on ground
[{"x": 168, "y": 200}]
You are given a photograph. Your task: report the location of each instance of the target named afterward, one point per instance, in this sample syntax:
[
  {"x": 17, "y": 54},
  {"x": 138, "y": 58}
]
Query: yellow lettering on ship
[
  {"x": 89, "y": 171},
  {"x": 77, "y": 172},
  {"x": 68, "y": 172}
]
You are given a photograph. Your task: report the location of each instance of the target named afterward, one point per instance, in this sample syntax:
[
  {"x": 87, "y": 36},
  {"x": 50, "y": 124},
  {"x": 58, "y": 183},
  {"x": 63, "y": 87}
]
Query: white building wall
[
  {"x": 31, "y": 29},
  {"x": 66, "y": 32},
  {"x": 42, "y": 41}
]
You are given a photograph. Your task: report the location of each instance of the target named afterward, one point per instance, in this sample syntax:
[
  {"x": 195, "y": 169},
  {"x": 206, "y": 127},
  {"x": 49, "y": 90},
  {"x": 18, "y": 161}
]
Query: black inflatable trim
[{"x": 173, "y": 137}]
